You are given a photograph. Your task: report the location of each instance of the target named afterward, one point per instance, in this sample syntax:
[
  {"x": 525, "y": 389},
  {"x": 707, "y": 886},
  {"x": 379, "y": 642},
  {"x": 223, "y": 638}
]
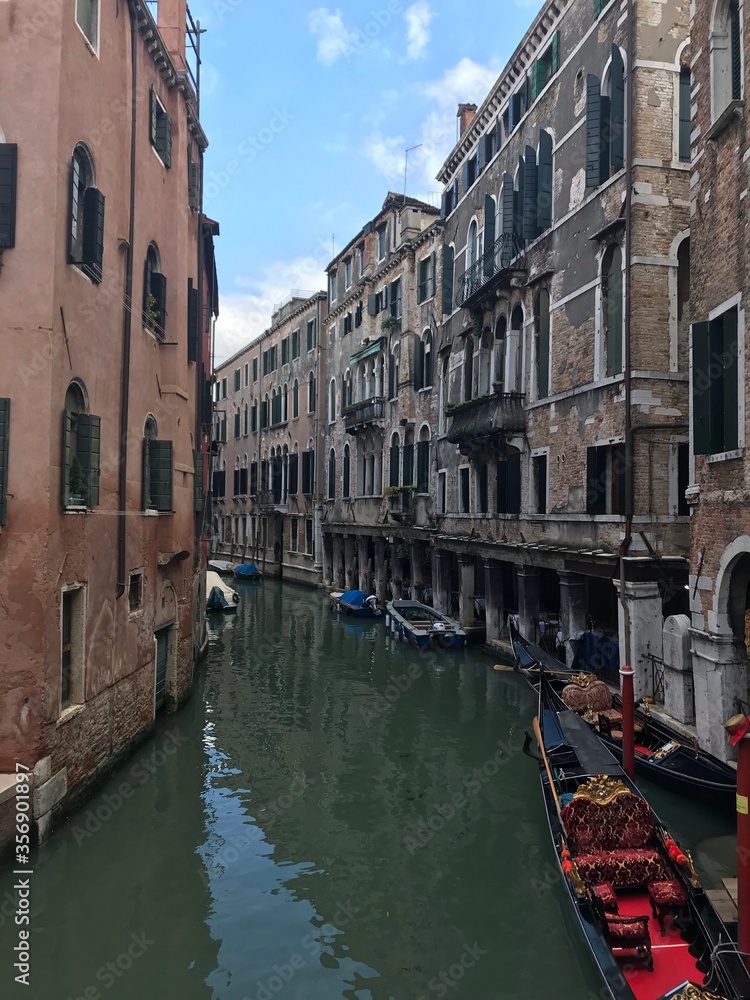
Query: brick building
[
  {"x": 266, "y": 480},
  {"x": 720, "y": 284},
  {"x": 105, "y": 316}
]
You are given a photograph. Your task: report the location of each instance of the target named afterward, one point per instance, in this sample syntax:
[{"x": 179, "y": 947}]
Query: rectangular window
[
  {"x": 295, "y": 344},
  {"x": 243, "y": 482},
  {"x": 87, "y": 19},
  {"x": 332, "y": 286},
  {"x": 442, "y": 494},
  {"x": 308, "y": 459},
  {"x": 545, "y": 67},
  {"x": 135, "y": 592},
  {"x": 294, "y": 474},
  {"x": 382, "y": 242},
  {"x": 237, "y": 379},
  {"x": 715, "y": 384},
  {"x": 253, "y": 481},
  {"x": 247, "y": 375},
  {"x": 311, "y": 335},
  {"x": 683, "y": 138},
  {"x": 293, "y": 542},
  {"x": 237, "y": 430},
  {"x": 157, "y": 475},
  {"x": 394, "y": 299},
  {"x": 463, "y": 481},
  {"x": 605, "y": 479},
  {"x": 361, "y": 260},
  {"x": 161, "y": 130},
  {"x": 255, "y": 369},
  {"x": 509, "y": 484},
  {"x": 219, "y": 484},
  {"x": 224, "y": 388},
  {"x": 72, "y": 647},
  {"x": 273, "y": 359},
  {"x": 482, "y": 488},
  {"x": 539, "y": 484},
  {"x": 285, "y": 351},
  {"x": 4, "y": 450},
  {"x": 254, "y": 417},
  {"x": 8, "y": 177},
  {"x": 426, "y": 280},
  {"x": 348, "y": 273},
  {"x": 309, "y": 548},
  {"x": 423, "y": 467}
]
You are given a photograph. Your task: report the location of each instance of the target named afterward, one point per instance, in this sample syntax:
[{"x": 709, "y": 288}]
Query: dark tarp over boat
[{"x": 247, "y": 571}]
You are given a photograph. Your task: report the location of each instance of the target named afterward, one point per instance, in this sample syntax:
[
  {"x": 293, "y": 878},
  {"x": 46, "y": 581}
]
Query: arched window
[
  {"x": 275, "y": 407},
  {"x": 395, "y": 460},
  {"x": 332, "y": 400},
  {"x": 295, "y": 399},
  {"x": 541, "y": 336},
  {"x": 515, "y": 351},
  {"x": 469, "y": 368},
  {"x": 612, "y": 309},
  {"x": 331, "y": 474},
  {"x": 423, "y": 460},
  {"x": 154, "y": 292},
  {"x": 246, "y": 420},
  {"x": 393, "y": 371},
  {"x": 157, "y": 470},
  {"x": 484, "y": 385},
  {"x": 498, "y": 362},
  {"x": 683, "y": 115},
  {"x": 427, "y": 358},
  {"x": 473, "y": 243},
  {"x": 236, "y": 490},
  {"x": 443, "y": 399},
  {"x": 725, "y": 41},
  {"x": 285, "y": 403},
  {"x": 345, "y": 490},
  {"x": 85, "y": 246},
  {"x": 545, "y": 186},
  {"x": 683, "y": 304},
  {"x": 346, "y": 396},
  {"x": 254, "y": 416},
  {"x": 408, "y": 459},
  {"x": 311, "y": 392},
  {"x": 243, "y": 477},
  {"x": 80, "y": 450}
]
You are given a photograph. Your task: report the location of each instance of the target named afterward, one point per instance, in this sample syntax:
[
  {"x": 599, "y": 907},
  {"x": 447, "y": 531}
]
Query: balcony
[
  {"x": 486, "y": 420},
  {"x": 358, "y": 416},
  {"x": 493, "y": 270}
]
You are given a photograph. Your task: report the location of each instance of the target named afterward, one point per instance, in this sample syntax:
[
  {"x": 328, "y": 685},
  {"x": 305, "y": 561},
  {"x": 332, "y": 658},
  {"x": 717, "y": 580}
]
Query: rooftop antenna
[{"x": 406, "y": 161}]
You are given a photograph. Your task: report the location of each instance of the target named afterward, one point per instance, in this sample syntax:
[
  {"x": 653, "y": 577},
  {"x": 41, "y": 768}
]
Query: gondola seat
[
  {"x": 605, "y": 891},
  {"x": 587, "y": 694},
  {"x": 610, "y": 724},
  {"x": 666, "y": 897},
  {"x": 609, "y": 831}
]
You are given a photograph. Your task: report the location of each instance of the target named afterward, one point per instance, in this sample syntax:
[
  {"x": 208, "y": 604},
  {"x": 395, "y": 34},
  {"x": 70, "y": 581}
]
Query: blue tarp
[
  {"x": 248, "y": 569},
  {"x": 354, "y": 598}
]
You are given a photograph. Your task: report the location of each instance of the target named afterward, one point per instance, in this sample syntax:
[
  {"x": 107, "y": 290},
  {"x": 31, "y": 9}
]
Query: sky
[{"x": 309, "y": 110}]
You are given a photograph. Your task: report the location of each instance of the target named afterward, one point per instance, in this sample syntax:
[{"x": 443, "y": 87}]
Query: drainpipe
[
  {"x": 629, "y": 477},
  {"x": 122, "y": 486}
]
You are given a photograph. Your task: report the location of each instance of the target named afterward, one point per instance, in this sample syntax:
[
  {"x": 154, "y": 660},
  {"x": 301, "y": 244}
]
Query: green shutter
[
  {"x": 408, "y": 464},
  {"x": 163, "y": 144},
  {"x": 593, "y": 131},
  {"x": 538, "y": 78},
  {"x": 542, "y": 359},
  {"x": 684, "y": 129},
  {"x": 153, "y": 118},
  {"x": 519, "y": 199},
  {"x": 544, "y": 183},
  {"x": 146, "y": 475},
  {"x": 507, "y": 204},
  {"x": 372, "y": 305},
  {"x": 67, "y": 457},
  {"x": 8, "y": 180},
  {"x": 88, "y": 447},
  {"x": 598, "y": 7},
  {"x": 192, "y": 313},
  {"x": 418, "y": 362},
  {"x": 422, "y": 281},
  {"x": 198, "y": 481},
  {"x": 447, "y": 280},
  {"x": 159, "y": 292},
  {"x": 555, "y": 55},
  {"x": 605, "y": 139},
  {"x": 4, "y": 449},
  {"x": 736, "y": 49},
  {"x": 194, "y": 186},
  {"x": 617, "y": 109},
  {"x": 423, "y": 467},
  {"x": 393, "y": 471},
  {"x": 93, "y": 234},
  {"x": 489, "y": 234},
  {"x": 530, "y": 177},
  {"x": 729, "y": 425},
  {"x": 160, "y": 475}
]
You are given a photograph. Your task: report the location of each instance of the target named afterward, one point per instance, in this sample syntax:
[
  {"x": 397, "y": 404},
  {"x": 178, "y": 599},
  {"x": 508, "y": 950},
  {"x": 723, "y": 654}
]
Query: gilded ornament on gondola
[
  {"x": 692, "y": 992},
  {"x": 583, "y": 680},
  {"x": 601, "y": 790}
]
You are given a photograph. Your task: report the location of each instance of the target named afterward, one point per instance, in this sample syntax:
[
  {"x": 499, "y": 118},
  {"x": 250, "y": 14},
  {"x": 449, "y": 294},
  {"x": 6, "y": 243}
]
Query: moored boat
[
  {"x": 648, "y": 922},
  {"x": 423, "y": 626},
  {"x": 661, "y": 753},
  {"x": 219, "y": 595},
  {"x": 248, "y": 572},
  {"x": 221, "y": 565},
  {"x": 356, "y": 603}
]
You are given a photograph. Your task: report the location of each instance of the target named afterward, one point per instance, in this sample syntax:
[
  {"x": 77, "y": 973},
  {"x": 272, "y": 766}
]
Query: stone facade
[
  {"x": 266, "y": 482},
  {"x": 102, "y": 588},
  {"x": 720, "y": 284}
]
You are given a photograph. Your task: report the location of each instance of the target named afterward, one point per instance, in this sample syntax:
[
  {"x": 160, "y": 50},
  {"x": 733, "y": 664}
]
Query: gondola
[
  {"x": 661, "y": 753},
  {"x": 422, "y": 626},
  {"x": 637, "y": 899}
]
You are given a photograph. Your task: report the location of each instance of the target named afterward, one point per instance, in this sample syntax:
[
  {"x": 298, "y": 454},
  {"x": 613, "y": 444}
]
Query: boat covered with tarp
[
  {"x": 423, "y": 626},
  {"x": 219, "y": 595},
  {"x": 356, "y": 603},
  {"x": 248, "y": 572},
  {"x": 221, "y": 565}
]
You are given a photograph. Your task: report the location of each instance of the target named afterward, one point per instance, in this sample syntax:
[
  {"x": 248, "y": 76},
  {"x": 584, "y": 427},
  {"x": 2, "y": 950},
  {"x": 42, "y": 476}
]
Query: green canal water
[{"x": 333, "y": 815}]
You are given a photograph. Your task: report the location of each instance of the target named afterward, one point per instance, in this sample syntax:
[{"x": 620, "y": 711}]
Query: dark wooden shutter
[
  {"x": 514, "y": 111},
  {"x": 159, "y": 292},
  {"x": 237, "y": 422},
  {"x": 530, "y": 195},
  {"x": 514, "y": 483},
  {"x": 596, "y": 480},
  {"x": 153, "y": 118},
  {"x": 192, "y": 313},
  {"x": 423, "y": 467},
  {"x": 160, "y": 475},
  {"x": 4, "y": 450},
  {"x": 293, "y": 473},
  {"x": 194, "y": 185},
  {"x": 454, "y": 199},
  {"x": 599, "y": 7},
  {"x": 593, "y": 130},
  {"x": 164, "y": 137},
  {"x": 736, "y": 49},
  {"x": 684, "y": 128},
  {"x": 93, "y": 233},
  {"x": 345, "y": 477},
  {"x": 67, "y": 456},
  {"x": 408, "y": 464},
  {"x": 444, "y": 205},
  {"x": 418, "y": 362},
  {"x": 394, "y": 463},
  {"x": 489, "y": 235},
  {"x": 555, "y": 53},
  {"x": 519, "y": 198},
  {"x": 617, "y": 109},
  {"x": 197, "y": 481},
  {"x": 618, "y": 478},
  {"x": 448, "y": 268},
  {"x": 243, "y": 482},
  {"x": 391, "y": 376},
  {"x": 331, "y": 476},
  {"x": 729, "y": 352},
  {"x": 605, "y": 139},
  {"x": 88, "y": 440},
  {"x": 372, "y": 305},
  {"x": 466, "y": 176},
  {"x": 544, "y": 183},
  {"x": 422, "y": 281},
  {"x": 701, "y": 389},
  {"x": 538, "y": 78},
  {"x": 8, "y": 182},
  {"x": 481, "y": 155},
  {"x": 236, "y": 485},
  {"x": 507, "y": 204},
  {"x": 488, "y": 141}
]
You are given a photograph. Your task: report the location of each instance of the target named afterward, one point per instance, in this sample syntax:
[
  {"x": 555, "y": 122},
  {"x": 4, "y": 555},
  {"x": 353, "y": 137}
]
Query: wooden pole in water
[{"x": 628, "y": 720}]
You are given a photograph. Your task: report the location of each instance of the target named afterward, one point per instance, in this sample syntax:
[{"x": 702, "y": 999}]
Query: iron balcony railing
[
  {"x": 499, "y": 262},
  {"x": 480, "y": 420},
  {"x": 361, "y": 414}
]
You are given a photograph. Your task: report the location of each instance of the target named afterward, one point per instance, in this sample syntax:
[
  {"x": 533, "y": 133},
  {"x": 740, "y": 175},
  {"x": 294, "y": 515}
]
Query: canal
[{"x": 333, "y": 815}]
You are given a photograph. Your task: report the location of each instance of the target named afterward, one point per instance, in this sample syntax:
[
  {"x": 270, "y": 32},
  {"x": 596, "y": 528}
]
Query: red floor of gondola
[{"x": 673, "y": 963}]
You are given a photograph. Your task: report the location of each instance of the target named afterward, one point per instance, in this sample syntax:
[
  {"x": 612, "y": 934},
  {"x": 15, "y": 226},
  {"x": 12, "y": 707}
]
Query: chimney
[
  {"x": 466, "y": 113},
  {"x": 172, "y": 24}
]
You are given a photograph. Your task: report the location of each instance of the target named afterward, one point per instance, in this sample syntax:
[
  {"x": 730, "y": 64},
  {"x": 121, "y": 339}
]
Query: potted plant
[
  {"x": 76, "y": 480},
  {"x": 390, "y": 323},
  {"x": 153, "y": 316}
]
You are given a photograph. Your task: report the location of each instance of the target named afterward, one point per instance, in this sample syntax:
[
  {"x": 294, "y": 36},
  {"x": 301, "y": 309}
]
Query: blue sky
[{"x": 308, "y": 111}]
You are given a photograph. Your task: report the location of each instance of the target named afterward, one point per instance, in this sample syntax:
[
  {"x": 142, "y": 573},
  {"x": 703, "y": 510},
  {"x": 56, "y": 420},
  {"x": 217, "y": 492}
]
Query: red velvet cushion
[
  {"x": 669, "y": 893},
  {"x": 628, "y": 932},
  {"x": 624, "y": 869},
  {"x": 624, "y": 823},
  {"x": 606, "y": 893}
]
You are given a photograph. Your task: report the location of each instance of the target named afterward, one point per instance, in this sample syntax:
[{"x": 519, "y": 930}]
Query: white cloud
[
  {"x": 244, "y": 315},
  {"x": 387, "y": 154},
  {"x": 334, "y": 38},
  {"x": 418, "y": 18}
]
